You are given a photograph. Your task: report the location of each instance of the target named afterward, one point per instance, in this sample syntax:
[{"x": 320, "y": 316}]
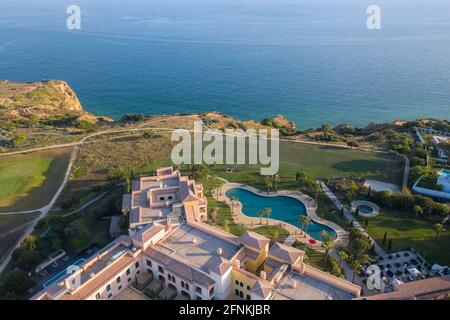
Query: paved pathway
[{"x": 349, "y": 216}]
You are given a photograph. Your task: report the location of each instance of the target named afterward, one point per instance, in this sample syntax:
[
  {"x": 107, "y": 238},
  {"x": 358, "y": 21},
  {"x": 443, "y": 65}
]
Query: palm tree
[
  {"x": 219, "y": 184},
  {"x": 233, "y": 203},
  {"x": 268, "y": 212},
  {"x": 324, "y": 234},
  {"x": 438, "y": 227},
  {"x": 343, "y": 256},
  {"x": 327, "y": 244},
  {"x": 260, "y": 214},
  {"x": 269, "y": 184},
  {"x": 356, "y": 266},
  {"x": 305, "y": 220},
  {"x": 276, "y": 180}
]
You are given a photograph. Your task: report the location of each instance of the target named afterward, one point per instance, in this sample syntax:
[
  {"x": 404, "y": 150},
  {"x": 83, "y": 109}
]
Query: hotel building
[{"x": 170, "y": 242}]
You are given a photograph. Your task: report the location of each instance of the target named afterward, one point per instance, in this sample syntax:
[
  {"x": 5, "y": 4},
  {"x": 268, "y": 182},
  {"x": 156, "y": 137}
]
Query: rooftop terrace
[
  {"x": 181, "y": 244},
  {"x": 308, "y": 288}
]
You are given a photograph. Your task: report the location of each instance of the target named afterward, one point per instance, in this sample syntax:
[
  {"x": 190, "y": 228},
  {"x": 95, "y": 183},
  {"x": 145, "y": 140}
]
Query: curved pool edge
[{"x": 309, "y": 204}]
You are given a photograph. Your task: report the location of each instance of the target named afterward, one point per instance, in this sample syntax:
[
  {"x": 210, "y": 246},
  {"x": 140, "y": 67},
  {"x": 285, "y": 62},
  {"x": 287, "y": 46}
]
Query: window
[
  {"x": 187, "y": 286},
  {"x": 110, "y": 296},
  {"x": 174, "y": 279},
  {"x": 119, "y": 288},
  {"x": 129, "y": 280},
  {"x": 97, "y": 296},
  {"x": 198, "y": 290},
  {"x": 248, "y": 297},
  {"x": 128, "y": 272},
  {"x": 248, "y": 288},
  {"x": 160, "y": 269},
  {"x": 149, "y": 263},
  {"x": 241, "y": 294},
  {"x": 236, "y": 292},
  {"x": 182, "y": 283},
  {"x": 211, "y": 291},
  {"x": 118, "y": 279},
  {"x": 138, "y": 272},
  {"x": 169, "y": 276},
  {"x": 161, "y": 198},
  {"x": 237, "y": 282},
  {"x": 108, "y": 287},
  {"x": 136, "y": 265},
  {"x": 170, "y": 197},
  {"x": 241, "y": 284}
]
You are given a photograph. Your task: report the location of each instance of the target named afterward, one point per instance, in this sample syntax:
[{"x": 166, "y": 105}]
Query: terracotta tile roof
[
  {"x": 219, "y": 265},
  {"x": 262, "y": 289},
  {"x": 253, "y": 240},
  {"x": 147, "y": 233},
  {"x": 422, "y": 289},
  {"x": 101, "y": 278},
  {"x": 179, "y": 268},
  {"x": 126, "y": 202},
  {"x": 285, "y": 253}
]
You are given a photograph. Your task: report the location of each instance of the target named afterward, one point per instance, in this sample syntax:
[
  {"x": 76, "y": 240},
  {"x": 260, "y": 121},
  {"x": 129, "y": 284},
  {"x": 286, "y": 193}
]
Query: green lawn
[
  {"x": 406, "y": 231},
  {"x": 320, "y": 162},
  {"x": 29, "y": 181}
]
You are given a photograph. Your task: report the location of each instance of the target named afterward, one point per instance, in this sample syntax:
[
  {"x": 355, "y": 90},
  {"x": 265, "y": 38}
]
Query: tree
[
  {"x": 305, "y": 220},
  {"x": 31, "y": 242},
  {"x": 276, "y": 181},
  {"x": 28, "y": 260},
  {"x": 268, "y": 212},
  {"x": 260, "y": 214},
  {"x": 366, "y": 223},
  {"x": 327, "y": 243},
  {"x": 356, "y": 266},
  {"x": 324, "y": 234},
  {"x": 343, "y": 256},
  {"x": 417, "y": 210},
  {"x": 390, "y": 245},
  {"x": 17, "y": 281},
  {"x": 438, "y": 228},
  {"x": 269, "y": 184},
  {"x": 384, "y": 237}
]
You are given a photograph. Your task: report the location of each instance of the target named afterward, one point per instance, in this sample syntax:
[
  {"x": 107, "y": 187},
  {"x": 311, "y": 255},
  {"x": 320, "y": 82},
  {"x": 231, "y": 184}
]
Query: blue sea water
[
  {"x": 284, "y": 209},
  {"x": 313, "y": 61}
]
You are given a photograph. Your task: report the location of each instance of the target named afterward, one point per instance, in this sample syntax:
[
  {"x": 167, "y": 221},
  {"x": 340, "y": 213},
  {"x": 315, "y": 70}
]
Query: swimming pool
[
  {"x": 59, "y": 276},
  {"x": 286, "y": 209},
  {"x": 445, "y": 172},
  {"x": 365, "y": 209}
]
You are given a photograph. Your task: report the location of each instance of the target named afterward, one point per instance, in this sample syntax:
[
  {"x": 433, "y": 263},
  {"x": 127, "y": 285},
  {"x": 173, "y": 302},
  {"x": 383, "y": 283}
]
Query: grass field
[
  {"x": 29, "y": 181},
  {"x": 11, "y": 229},
  {"x": 320, "y": 162},
  {"x": 406, "y": 231}
]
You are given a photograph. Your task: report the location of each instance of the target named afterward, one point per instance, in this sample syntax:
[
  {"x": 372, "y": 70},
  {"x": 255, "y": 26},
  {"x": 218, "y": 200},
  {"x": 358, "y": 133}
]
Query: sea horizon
[{"x": 313, "y": 62}]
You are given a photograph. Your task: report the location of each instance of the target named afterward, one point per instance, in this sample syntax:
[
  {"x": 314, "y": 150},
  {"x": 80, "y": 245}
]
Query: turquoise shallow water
[
  {"x": 313, "y": 61},
  {"x": 284, "y": 209}
]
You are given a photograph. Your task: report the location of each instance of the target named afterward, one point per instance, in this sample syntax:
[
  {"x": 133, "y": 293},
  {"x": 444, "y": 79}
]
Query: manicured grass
[
  {"x": 29, "y": 181},
  {"x": 320, "y": 162},
  {"x": 314, "y": 258},
  {"x": 326, "y": 210},
  {"x": 406, "y": 231}
]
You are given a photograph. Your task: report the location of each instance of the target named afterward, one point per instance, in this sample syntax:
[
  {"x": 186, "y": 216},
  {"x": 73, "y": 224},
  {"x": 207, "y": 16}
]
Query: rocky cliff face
[{"x": 42, "y": 99}]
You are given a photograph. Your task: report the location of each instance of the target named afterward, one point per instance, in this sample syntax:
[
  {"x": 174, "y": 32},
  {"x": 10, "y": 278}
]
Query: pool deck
[{"x": 252, "y": 222}]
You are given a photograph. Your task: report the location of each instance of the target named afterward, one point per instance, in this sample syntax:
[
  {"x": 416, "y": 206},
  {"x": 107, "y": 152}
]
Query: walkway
[{"x": 349, "y": 216}]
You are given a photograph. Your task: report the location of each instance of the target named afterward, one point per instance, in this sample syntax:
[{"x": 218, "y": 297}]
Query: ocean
[{"x": 313, "y": 61}]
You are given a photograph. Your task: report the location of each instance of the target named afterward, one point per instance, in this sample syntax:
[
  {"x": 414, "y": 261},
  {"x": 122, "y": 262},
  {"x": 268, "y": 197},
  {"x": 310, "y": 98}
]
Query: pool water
[
  {"x": 445, "y": 172},
  {"x": 60, "y": 275},
  {"x": 365, "y": 209},
  {"x": 284, "y": 209}
]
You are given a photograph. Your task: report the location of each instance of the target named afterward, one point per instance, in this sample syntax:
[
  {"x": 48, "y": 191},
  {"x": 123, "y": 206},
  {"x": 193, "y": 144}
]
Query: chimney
[{"x": 263, "y": 275}]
